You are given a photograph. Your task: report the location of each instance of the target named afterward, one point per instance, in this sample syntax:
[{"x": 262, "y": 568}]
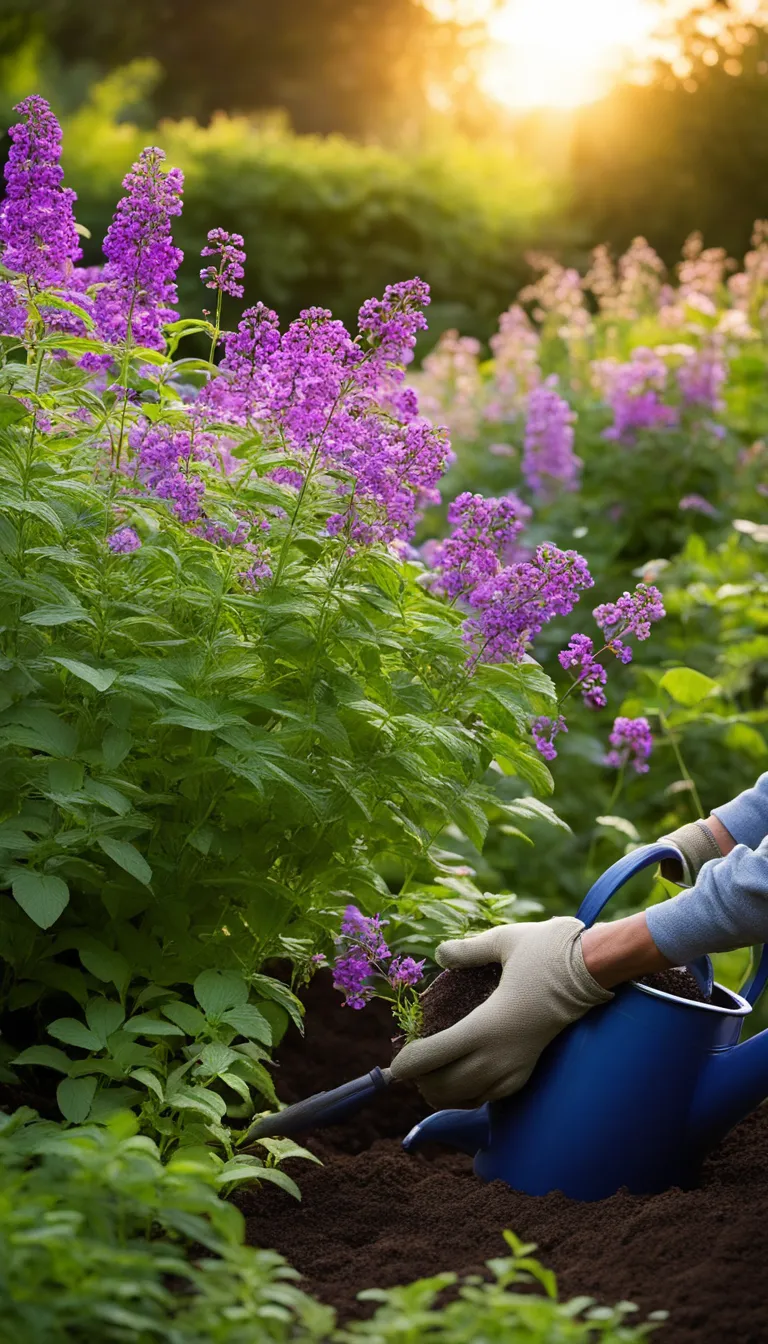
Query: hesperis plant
[{"x": 233, "y": 702}]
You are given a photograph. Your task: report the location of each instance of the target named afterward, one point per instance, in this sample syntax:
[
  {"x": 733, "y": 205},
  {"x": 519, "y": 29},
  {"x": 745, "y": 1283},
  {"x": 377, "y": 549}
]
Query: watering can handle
[{"x": 620, "y": 872}]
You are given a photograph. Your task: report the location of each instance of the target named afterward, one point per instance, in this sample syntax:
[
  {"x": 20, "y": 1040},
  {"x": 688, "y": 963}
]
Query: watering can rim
[{"x": 741, "y": 1009}]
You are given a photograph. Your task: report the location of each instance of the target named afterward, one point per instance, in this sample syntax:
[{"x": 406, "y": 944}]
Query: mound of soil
[
  {"x": 677, "y": 981},
  {"x": 374, "y": 1216},
  {"x": 453, "y": 994}
]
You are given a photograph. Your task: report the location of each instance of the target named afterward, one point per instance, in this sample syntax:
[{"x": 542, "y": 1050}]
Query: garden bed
[{"x": 373, "y": 1216}]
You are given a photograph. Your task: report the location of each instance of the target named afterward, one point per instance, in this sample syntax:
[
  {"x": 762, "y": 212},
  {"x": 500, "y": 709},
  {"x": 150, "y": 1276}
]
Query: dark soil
[
  {"x": 454, "y": 994},
  {"x": 374, "y": 1216},
  {"x": 677, "y": 981}
]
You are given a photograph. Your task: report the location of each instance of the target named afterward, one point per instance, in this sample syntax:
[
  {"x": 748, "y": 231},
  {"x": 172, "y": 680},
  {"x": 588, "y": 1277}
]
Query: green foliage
[
  {"x": 325, "y": 221},
  {"x": 94, "y": 1230},
  {"x": 501, "y": 1310},
  {"x": 701, "y": 678}
]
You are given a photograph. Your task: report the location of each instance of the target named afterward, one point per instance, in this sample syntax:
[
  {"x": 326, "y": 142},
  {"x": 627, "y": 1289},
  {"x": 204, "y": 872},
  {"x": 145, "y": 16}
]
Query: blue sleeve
[
  {"x": 726, "y": 909},
  {"x": 746, "y": 817}
]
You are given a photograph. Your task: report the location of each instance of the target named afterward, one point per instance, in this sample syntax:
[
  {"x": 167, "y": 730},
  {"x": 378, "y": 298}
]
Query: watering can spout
[
  {"x": 733, "y": 1083},
  {"x": 467, "y": 1131}
]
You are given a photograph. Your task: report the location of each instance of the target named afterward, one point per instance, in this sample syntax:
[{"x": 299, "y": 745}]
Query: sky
[{"x": 564, "y": 53}]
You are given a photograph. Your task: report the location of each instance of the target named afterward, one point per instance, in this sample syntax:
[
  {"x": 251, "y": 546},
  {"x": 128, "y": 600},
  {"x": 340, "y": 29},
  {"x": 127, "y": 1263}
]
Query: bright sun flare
[{"x": 561, "y": 53}]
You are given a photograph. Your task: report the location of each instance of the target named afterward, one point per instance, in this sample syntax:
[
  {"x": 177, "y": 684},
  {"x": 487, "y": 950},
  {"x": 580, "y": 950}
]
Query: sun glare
[{"x": 562, "y": 53}]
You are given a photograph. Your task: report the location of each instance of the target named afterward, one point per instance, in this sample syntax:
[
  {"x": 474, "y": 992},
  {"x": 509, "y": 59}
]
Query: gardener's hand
[
  {"x": 698, "y": 842},
  {"x": 493, "y": 1050}
]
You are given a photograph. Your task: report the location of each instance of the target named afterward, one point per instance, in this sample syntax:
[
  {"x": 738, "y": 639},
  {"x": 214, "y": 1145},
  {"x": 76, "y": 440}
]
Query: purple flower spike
[
  {"x": 630, "y": 614},
  {"x": 350, "y": 975},
  {"x": 632, "y": 744},
  {"x": 549, "y": 461},
  {"x": 37, "y": 223},
  {"x": 228, "y": 247},
  {"x": 484, "y": 530},
  {"x": 139, "y": 288},
  {"x": 404, "y": 972},
  {"x": 124, "y": 541},
  {"x": 514, "y": 606},
  {"x": 544, "y": 732},
  {"x": 591, "y": 676}
]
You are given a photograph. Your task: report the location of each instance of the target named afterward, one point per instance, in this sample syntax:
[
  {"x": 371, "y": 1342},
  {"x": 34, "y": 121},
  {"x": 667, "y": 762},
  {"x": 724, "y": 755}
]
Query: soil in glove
[{"x": 373, "y": 1216}]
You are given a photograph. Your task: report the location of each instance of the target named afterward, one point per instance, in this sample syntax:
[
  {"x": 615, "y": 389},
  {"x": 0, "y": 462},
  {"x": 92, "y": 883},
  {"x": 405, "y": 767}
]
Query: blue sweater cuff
[{"x": 746, "y": 817}]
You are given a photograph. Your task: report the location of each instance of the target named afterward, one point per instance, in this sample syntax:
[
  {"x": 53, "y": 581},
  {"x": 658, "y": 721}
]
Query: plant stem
[{"x": 669, "y": 734}]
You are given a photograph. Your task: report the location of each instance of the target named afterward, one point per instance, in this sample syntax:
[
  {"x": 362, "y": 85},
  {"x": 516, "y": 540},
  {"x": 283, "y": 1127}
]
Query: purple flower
[
  {"x": 483, "y": 530},
  {"x": 124, "y": 541},
  {"x": 139, "y": 278},
  {"x": 256, "y": 574},
  {"x": 591, "y": 675},
  {"x": 700, "y": 378},
  {"x": 514, "y": 605},
  {"x": 634, "y": 392},
  {"x": 351, "y": 974},
  {"x": 224, "y": 275},
  {"x": 630, "y": 614},
  {"x": 404, "y": 971},
  {"x": 544, "y": 732},
  {"x": 390, "y": 325},
  {"x": 13, "y": 313},
  {"x": 698, "y": 504},
  {"x": 37, "y": 223},
  {"x": 549, "y": 461},
  {"x": 632, "y": 744},
  {"x": 366, "y": 931},
  {"x": 163, "y": 460},
  {"x": 286, "y": 476}
]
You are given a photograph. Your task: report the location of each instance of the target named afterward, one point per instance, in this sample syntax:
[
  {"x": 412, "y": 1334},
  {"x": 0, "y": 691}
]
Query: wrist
[{"x": 621, "y": 951}]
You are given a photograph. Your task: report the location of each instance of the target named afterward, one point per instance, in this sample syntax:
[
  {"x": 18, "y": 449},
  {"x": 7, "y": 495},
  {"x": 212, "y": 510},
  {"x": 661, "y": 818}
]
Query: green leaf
[
  {"x": 268, "y": 988},
  {"x": 200, "y": 1099},
  {"x": 127, "y": 857},
  {"x": 271, "y": 1174},
  {"x": 106, "y": 965},
  {"x": 285, "y": 1148},
  {"x": 146, "y": 1024},
  {"x": 216, "y": 1058},
  {"x": 237, "y": 1084},
  {"x": 743, "y": 737},
  {"x": 190, "y": 1019},
  {"x": 249, "y": 1022},
  {"x": 103, "y": 1018},
  {"x": 216, "y": 991},
  {"x": 687, "y": 686},
  {"x": 115, "y": 746},
  {"x": 47, "y": 1056},
  {"x": 620, "y": 824},
  {"x": 75, "y": 1098},
  {"x": 11, "y": 410},
  {"x": 57, "y": 614},
  {"x": 150, "y": 1080},
  {"x": 41, "y": 896},
  {"x": 101, "y": 678},
  {"x": 72, "y": 1032}
]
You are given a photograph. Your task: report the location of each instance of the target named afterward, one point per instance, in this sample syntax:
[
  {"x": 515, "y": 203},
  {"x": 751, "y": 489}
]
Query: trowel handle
[
  {"x": 324, "y": 1108},
  {"x": 620, "y": 872}
]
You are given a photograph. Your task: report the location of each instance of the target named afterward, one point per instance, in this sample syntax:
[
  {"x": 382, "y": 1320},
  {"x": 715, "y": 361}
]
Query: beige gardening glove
[
  {"x": 697, "y": 845},
  {"x": 493, "y": 1050}
]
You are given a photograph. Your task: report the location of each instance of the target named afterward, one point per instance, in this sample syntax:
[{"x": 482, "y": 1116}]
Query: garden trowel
[{"x": 324, "y": 1108}]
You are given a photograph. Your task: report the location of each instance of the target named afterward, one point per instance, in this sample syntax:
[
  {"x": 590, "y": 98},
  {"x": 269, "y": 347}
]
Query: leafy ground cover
[{"x": 251, "y": 680}]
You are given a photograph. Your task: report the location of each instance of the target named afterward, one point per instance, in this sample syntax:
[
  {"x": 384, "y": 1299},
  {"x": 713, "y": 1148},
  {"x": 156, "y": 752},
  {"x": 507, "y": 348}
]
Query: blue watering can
[{"x": 634, "y": 1094}]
